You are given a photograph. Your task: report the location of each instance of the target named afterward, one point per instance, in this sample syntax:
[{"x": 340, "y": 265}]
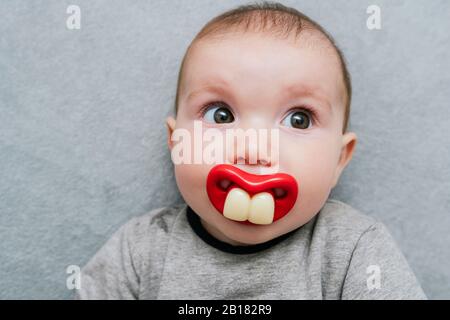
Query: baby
[{"x": 256, "y": 225}]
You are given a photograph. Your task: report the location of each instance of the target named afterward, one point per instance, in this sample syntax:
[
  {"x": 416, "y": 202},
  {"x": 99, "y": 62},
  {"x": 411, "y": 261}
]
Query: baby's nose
[
  {"x": 246, "y": 160},
  {"x": 261, "y": 166},
  {"x": 253, "y": 151}
]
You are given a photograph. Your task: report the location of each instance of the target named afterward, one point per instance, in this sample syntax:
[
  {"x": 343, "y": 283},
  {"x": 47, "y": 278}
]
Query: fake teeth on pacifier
[
  {"x": 250, "y": 198},
  {"x": 239, "y": 206}
]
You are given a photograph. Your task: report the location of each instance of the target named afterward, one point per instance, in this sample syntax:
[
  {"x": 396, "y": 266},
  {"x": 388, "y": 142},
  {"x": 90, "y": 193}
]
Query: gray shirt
[{"x": 166, "y": 254}]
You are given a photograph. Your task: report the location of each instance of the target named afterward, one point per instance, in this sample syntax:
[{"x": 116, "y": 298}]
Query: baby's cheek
[
  {"x": 312, "y": 164},
  {"x": 191, "y": 181},
  {"x": 190, "y": 176}
]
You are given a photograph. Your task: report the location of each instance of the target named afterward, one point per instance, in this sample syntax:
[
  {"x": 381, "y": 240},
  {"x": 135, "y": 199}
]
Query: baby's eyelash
[
  {"x": 306, "y": 108},
  {"x": 205, "y": 107},
  {"x": 311, "y": 111}
]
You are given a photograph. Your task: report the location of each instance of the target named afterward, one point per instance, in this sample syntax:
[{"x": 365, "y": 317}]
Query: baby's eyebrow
[
  {"x": 303, "y": 90},
  {"x": 292, "y": 91},
  {"x": 215, "y": 88}
]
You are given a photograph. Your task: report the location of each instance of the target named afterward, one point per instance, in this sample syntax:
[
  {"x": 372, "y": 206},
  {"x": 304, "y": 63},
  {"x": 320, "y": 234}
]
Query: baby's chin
[
  {"x": 251, "y": 234},
  {"x": 247, "y": 236}
]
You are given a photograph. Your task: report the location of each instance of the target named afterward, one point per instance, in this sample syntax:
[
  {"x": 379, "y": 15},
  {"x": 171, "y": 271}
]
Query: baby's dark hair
[{"x": 277, "y": 19}]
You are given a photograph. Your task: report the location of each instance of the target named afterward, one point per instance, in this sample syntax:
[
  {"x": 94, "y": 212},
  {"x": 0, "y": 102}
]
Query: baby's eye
[
  {"x": 218, "y": 113},
  {"x": 299, "y": 119}
]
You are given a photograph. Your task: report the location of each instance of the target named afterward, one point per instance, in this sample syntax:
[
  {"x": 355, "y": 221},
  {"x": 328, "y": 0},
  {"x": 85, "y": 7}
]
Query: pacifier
[{"x": 250, "y": 198}]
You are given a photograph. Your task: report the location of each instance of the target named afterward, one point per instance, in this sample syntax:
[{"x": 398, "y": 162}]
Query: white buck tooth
[
  {"x": 237, "y": 205},
  {"x": 262, "y": 208}
]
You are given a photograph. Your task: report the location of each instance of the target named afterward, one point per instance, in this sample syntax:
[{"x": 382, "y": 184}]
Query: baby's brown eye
[
  {"x": 298, "y": 119},
  {"x": 218, "y": 115}
]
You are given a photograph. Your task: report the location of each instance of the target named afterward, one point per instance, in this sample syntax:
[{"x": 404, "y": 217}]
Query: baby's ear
[
  {"x": 170, "y": 125},
  {"x": 348, "y": 147}
]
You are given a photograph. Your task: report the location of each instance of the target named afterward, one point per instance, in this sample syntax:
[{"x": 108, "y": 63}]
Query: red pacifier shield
[{"x": 252, "y": 183}]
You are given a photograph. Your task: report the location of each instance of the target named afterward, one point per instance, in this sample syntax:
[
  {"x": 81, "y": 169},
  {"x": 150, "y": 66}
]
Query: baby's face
[{"x": 257, "y": 81}]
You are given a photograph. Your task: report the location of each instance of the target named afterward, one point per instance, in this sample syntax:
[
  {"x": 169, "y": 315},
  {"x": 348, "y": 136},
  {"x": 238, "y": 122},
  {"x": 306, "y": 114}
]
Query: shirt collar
[{"x": 197, "y": 227}]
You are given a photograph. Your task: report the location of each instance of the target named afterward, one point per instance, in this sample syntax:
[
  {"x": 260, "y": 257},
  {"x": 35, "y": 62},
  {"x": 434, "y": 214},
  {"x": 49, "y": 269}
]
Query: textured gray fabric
[
  {"x": 158, "y": 256},
  {"x": 83, "y": 142}
]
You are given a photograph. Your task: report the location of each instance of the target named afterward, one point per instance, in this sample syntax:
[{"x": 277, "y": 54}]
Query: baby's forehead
[
  {"x": 239, "y": 52},
  {"x": 261, "y": 45},
  {"x": 310, "y": 38}
]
